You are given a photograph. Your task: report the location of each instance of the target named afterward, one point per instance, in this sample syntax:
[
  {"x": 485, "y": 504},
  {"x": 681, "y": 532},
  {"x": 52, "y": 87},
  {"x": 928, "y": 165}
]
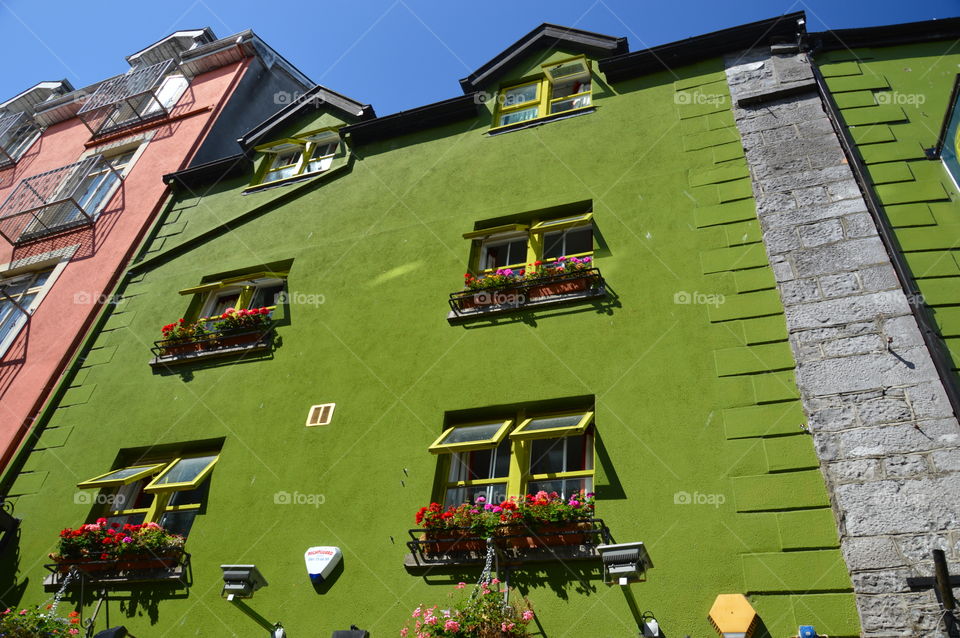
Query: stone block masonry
[{"x": 884, "y": 432}]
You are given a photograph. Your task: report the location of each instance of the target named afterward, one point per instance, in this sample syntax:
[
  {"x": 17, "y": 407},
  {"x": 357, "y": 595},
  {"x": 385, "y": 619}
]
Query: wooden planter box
[
  {"x": 558, "y": 288},
  {"x": 444, "y": 541},
  {"x": 211, "y": 343},
  {"x": 134, "y": 562},
  {"x": 547, "y": 535}
]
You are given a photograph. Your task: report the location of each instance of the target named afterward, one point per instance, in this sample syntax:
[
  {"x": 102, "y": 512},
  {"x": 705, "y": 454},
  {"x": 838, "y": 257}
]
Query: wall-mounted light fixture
[{"x": 241, "y": 581}]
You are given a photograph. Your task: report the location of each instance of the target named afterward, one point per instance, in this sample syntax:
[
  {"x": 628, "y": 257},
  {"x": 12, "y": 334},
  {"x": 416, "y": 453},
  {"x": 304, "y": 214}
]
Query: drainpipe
[{"x": 921, "y": 313}]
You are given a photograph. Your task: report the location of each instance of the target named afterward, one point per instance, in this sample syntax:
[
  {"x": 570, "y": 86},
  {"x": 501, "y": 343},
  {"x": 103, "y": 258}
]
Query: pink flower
[
  {"x": 507, "y": 626},
  {"x": 461, "y": 585},
  {"x": 404, "y": 632},
  {"x": 495, "y": 581},
  {"x": 528, "y": 615},
  {"x": 481, "y": 499},
  {"x": 574, "y": 503},
  {"x": 497, "y": 509},
  {"x": 74, "y": 631},
  {"x": 451, "y": 625},
  {"x": 23, "y": 611},
  {"x": 416, "y": 613}
]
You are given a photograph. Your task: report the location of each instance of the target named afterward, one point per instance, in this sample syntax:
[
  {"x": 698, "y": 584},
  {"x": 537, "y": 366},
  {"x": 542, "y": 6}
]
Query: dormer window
[
  {"x": 297, "y": 157},
  {"x": 563, "y": 87}
]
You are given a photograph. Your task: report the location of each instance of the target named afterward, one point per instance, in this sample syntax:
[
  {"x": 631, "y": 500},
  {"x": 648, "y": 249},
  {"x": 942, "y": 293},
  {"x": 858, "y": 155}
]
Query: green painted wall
[
  {"x": 695, "y": 398},
  {"x": 894, "y": 100}
]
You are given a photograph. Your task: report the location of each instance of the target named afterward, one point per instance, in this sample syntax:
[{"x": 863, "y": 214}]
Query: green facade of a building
[{"x": 700, "y": 447}]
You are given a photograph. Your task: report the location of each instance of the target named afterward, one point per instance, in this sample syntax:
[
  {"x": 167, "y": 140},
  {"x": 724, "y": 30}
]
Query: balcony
[
  {"x": 17, "y": 130},
  {"x": 127, "y": 100},
  {"x": 244, "y": 343},
  {"x": 516, "y": 545},
  {"x": 527, "y": 294},
  {"x": 112, "y": 574},
  {"x": 57, "y": 200}
]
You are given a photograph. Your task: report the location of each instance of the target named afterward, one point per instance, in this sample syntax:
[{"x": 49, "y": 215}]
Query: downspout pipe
[{"x": 922, "y": 314}]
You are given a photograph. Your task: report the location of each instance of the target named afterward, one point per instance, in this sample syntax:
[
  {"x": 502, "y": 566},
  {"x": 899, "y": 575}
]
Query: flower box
[
  {"x": 546, "y": 535},
  {"x": 133, "y": 562},
  {"x": 444, "y": 541}
]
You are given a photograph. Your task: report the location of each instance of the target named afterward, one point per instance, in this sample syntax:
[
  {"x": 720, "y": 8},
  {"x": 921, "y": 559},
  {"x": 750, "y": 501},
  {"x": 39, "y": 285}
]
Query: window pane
[
  {"x": 579, "y": 102},
  {"x": 570, "y": 69},
  {"x": 579, "y": 240},
  {"x": 131, "y": 497},
  {"x": 548, "y": 423},
  {"x": 223, "y": 302},
  {"x": 195, "y": 496},
  {"x": 496, "y": 493},
  {"x": 564, "y": 487},
  {"x": 570, "y": 88},
  {"x": 566, "y": 454},
  {"x": 519, "y": 95},
  {"x": 472, "y": 433},
  {"x": 553, "y": 245},
  {"x": 517, "y": 253},
  {"x": 178, "y": 522},
  {"x": 266, "y": 296},
  {"x": 481, "y": 464},
  {"x": 519, "y": 116},
  {"x": 186, "y": 470},
  {"x": 119, "y": 475},
  {"x": 127, "y": 519},
  {"x": 547, "y": 456}
]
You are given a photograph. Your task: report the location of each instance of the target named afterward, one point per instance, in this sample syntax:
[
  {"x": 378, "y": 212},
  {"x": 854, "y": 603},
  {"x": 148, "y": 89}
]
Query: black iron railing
[
  {"x": 516, "y": 543},
  {"x": 126, "y": 100},
  {"x": 57, "y": 200},
  {"x": 562, "y": 287},
  {"x": 216, "y": 343},
  {"x": 16, "y": 130},
  {"x": 119, "y": 573}
]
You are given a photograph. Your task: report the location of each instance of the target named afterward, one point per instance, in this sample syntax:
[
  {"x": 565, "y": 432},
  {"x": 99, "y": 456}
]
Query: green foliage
[
  {"x": 34, "y": 622},
  {"x": 103, "y": 541},
  {"x": 483, "y": 615}
]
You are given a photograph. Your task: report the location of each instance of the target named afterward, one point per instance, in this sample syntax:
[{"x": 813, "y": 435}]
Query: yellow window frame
[
  {"x": 543, "y": 101},
  {"x": 523, "y": 434},
  {"x": 562, "y": 223},
  {"x": 519, "y": 475},
  {"x": 98, "y": 481},
  {"x": 306, "y": 142},
  {"x": 154, "y": 488},
  {"x": 438, "y": 447}
]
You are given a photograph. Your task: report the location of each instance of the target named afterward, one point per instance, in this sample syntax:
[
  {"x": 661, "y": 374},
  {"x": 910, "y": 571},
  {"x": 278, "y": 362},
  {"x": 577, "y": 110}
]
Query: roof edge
[
  {"x": 315, "y": 96},
  {"x": 545, "y": 34},
  {"x": 887, "y": 35},
  {"x": 701, "y": 47}
]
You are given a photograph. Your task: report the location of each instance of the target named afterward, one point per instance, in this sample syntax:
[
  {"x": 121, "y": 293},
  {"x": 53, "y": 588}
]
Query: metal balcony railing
[
  {"x": 516, "y": 544},
  {"x": 571, "y": 286},
  {"x": 57, "y": 200},
  {"x": 16, "y": 131},
  {"x": 126, "y": 100}
]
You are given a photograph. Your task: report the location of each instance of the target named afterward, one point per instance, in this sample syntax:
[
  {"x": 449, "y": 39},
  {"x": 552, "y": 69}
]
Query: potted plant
[
  {"x": 36, "y": 622},
  {"x": 533, "y": 521},
  {"x": 240, "y": 327},
  {"x": 481, "y": 615},
  {"x": 180, "y": 336},
  {"x": 563, "y": 266},
  {"x": 105, "y": 546}
]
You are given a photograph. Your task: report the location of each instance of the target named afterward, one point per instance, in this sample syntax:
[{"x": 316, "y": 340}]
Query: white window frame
[
  {"x": 18, "y": 268},
  {"x": 500, "y": 240}
]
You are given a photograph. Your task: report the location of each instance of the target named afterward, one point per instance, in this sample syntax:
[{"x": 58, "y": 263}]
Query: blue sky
[{"x": 394, "y": 54}]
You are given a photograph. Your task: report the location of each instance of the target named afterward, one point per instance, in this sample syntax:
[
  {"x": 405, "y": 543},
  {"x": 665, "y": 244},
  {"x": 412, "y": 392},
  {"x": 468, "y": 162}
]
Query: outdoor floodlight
[
  {"x": 353, "y": 632},
  {"x": 624, "y": 563},
  {"x": 241, "y": 580}
]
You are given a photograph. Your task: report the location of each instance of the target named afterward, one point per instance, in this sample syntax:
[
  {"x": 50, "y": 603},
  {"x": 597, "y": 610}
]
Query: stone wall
[{"x": 887, "y": 439}]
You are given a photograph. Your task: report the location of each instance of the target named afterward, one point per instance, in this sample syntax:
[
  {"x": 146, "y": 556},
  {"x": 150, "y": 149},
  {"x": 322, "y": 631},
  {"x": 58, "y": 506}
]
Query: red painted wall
[{"x": 34, "y": 362}]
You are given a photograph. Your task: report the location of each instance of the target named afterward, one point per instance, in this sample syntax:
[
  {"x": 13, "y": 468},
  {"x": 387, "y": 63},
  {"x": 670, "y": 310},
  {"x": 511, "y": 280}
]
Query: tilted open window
[
  {"x": 563, "y": 87},
  {"x": 296, "y": 157}
]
